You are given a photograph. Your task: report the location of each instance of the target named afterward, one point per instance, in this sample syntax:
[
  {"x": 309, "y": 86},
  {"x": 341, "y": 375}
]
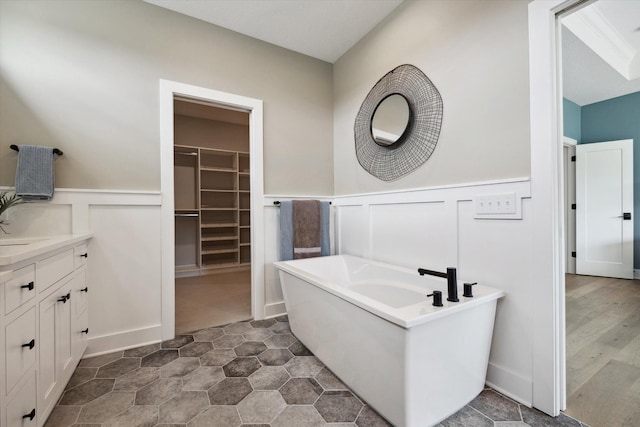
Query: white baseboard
[
  {"x": 274, "y": 309},
  {"x": 123, "y": 340},
  {"x": 510, "y": 384}
]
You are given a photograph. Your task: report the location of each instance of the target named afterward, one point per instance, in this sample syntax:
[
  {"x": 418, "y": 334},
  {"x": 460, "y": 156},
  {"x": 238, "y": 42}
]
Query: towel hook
[{"x": 55, "y": 150}]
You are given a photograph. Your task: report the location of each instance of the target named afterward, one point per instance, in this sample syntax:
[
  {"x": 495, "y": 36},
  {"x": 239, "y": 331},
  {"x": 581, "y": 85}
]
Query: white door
[{"x": 604, "y": 213}]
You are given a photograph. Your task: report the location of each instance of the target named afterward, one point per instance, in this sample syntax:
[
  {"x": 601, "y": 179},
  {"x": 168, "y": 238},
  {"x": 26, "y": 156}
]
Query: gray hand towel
[
  {"x": 34, "y": 174},
  {"x": 325, "y": 229},
  {"x": 286, "y": 231}
]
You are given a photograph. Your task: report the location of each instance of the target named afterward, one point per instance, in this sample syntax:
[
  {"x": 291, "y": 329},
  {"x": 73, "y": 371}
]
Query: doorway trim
[
  {"x": 547, "y": 193},
  {"x": 169, "y": 90}
]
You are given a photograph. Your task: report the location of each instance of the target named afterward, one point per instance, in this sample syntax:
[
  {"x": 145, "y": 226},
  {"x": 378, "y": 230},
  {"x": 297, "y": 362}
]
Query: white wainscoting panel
[
  {"x": 38, "y": 219},
  {"x": 410, "y": 235},
  {"x": 274, "y": 301},
  {"x": 124, "y": 264},
  {"x": 436, "y": 228},
  {"x": 124, "y": 276},
  {"x": 498, "y": 254},
  {"x": 352, "y": 230}
]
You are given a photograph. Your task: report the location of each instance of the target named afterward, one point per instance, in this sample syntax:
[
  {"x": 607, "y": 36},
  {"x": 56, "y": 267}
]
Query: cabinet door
[
  {"x": 20, "y": 347},
  {"x": 80, "y": 314},
  {"x": 80, "y": 334},
  {"x": 55, "y": 345},
  {"x": 79, "y": 292},
  {"x": 21, "y": 407}
]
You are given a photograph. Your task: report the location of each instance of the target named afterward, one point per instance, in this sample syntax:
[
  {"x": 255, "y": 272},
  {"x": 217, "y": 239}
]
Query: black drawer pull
[
  {"x": 31, "y": 415},
  {"x": 84, "y": 255},
  {"x": 85, "y": 289},
  {"x": 63, "y": 299},
  {"x": 85, "y": 331},
  {"x": 30, "y": 344},
  {"x": 29, "y": 286}
]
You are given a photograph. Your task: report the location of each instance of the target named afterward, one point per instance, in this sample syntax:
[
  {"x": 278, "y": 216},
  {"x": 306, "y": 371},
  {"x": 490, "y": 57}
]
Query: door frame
[
  {"x": 547, "y": 195},
  {"x": 169, "y": 90}
]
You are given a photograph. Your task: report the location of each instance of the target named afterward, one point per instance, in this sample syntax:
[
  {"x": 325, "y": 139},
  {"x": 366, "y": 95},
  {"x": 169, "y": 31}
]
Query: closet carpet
[
  {"x": 212, "y": 300},
  {"x": 244, "y": 374}
]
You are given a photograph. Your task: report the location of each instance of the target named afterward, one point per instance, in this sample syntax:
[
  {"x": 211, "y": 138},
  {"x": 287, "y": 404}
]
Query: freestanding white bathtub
[{"x": 373, "y": 326}]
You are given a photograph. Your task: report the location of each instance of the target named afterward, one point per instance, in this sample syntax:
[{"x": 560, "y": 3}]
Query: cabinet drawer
[
  {"x": 80, "y": 292},
  {"x": 21, "y": 407},
  {"x": 54, "y": 268},
  {"x": 79, "y": 334},
  {"x": 21, "y": 347},
  {"x": 80, "y": 255},
  {"x": 20, "y": 289}
]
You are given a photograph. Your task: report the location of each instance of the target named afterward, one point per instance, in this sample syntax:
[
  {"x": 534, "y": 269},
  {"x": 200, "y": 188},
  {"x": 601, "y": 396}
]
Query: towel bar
[
  {"x": 55, "y": 150},
  {"x": 277, "y": 203}
]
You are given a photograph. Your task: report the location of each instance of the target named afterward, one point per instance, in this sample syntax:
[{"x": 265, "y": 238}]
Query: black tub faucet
[{"x": 452, "y": 281}]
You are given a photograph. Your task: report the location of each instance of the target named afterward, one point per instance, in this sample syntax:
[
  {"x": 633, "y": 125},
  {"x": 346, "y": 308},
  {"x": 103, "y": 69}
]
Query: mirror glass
[{"x": 390, "y": 120}]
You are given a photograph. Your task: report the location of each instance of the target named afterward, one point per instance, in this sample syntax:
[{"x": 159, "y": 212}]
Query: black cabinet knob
[
  {"x": 85, "y": 331},
  {"x": 30, "y": 344},
  {"x": 84, "y": 255},
  {"x": 64, "y": 298},
  {"x": 31, "y": 415},
  {"x": 28, "y": 286},
  {"x": 85, "y": 289}
]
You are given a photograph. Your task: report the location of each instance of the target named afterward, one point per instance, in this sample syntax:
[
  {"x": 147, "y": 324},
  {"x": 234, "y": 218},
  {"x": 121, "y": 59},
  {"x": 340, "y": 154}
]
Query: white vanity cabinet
[{"x": 43, "y": 324}]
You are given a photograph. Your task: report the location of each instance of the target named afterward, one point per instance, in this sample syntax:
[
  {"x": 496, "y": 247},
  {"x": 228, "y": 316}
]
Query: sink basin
[{"x": 19, "y": 242}]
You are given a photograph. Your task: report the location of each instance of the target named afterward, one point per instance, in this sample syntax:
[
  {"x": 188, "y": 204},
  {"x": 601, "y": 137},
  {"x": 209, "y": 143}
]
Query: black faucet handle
[
  {"x": 468, "y": 292},
  {"x": 437, "y": 298}
]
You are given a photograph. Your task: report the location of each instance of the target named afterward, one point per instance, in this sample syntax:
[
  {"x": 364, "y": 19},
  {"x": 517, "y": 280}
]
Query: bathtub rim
[{"x": 402, "y": 317}]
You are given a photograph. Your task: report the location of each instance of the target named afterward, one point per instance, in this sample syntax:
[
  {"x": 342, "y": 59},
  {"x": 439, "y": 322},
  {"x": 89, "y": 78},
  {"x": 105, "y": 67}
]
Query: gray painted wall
[
  {"x": 83, "y": 76},
  {"x": 476, "y": 54}
]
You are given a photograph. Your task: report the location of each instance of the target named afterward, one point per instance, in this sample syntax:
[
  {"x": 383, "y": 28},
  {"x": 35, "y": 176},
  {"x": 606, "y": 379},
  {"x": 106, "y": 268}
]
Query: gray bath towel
[
  {"x": 34, "y": 174},
  {"x": 286, "y": 230},
  {"x": 307, "y": 235}
]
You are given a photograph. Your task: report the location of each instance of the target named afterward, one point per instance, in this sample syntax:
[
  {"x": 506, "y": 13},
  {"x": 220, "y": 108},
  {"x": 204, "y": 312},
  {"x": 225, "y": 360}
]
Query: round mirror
[{"x": 390, "y": 120}]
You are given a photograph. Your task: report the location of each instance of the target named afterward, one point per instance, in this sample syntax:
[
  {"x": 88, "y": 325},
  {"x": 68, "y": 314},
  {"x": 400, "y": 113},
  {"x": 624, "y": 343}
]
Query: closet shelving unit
[{"x": 222, "y": 206}]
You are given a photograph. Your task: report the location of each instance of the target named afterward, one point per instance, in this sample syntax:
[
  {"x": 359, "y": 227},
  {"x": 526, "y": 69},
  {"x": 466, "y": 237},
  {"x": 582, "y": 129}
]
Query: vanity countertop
[{"x": 17, "y": 249}]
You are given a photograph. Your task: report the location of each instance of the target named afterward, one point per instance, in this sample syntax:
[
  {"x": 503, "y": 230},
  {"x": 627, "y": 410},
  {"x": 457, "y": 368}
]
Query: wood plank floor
[
  {"x": 212, "y": 300},
  {"x": 603, "y": 350}
]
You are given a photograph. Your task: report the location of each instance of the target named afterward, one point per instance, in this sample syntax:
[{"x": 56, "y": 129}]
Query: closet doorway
[{"x": 212, "y": 200}]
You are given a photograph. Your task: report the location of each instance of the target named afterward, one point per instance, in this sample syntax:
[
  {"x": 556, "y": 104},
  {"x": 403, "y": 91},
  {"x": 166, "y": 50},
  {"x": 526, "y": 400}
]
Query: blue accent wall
[
  {"x": 611, "y": 120},
  {"x": 571, "y": 119}
]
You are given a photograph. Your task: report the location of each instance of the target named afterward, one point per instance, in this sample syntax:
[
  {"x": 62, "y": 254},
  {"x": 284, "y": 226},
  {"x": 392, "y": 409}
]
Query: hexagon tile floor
[{"x": 244, "y": 374}]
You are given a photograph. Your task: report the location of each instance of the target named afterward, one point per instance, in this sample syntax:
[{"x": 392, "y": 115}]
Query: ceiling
[
  {"x": 323, "y": 29},
  {"x": 601, "y": 42},
  {"x": 601, "y": 51}
]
